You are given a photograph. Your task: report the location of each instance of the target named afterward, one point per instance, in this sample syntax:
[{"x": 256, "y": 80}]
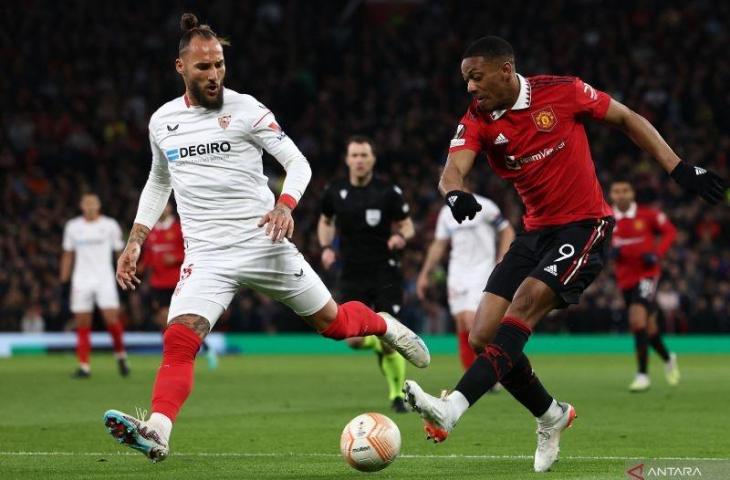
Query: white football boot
[
  {"x": 548, "y": 437},
  {"x": 404, "y": 341},
  {"x": 439, "y": 414},
  {"x": 136, "y": 434},
  {"x": 671, "y": 370},
  {"x": 641, "y": 383}
]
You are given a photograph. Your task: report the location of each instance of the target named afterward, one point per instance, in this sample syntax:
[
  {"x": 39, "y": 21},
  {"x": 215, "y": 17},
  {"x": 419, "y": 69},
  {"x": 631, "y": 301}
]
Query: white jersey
[
  {"x": 473, "y": 242},
  {"x": 93, "y": 244},
  {"x": 213, "y": 161}
]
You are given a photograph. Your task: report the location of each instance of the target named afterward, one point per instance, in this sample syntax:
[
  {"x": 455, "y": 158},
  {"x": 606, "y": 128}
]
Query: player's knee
[
  {"x": 199, "y": 325},
  {"x": 477, "y": 342}
]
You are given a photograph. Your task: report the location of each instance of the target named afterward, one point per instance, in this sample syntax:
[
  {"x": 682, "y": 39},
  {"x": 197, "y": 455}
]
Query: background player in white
[
  {"x": 207, "y": 146},
  {"x": 476, "y": 246},
  {"x": 89, "y": 241}
]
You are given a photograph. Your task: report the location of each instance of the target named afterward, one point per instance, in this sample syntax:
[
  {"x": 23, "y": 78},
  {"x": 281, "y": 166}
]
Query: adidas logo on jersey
[
  {"x": 501, "y": 139},
  {"x": 700, "y": 171},
  {"x": 552, "y": 270}
]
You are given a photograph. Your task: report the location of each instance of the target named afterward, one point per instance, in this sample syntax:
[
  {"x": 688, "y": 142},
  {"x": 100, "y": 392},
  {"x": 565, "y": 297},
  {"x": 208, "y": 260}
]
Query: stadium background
[{"x": 82, "y": 78}]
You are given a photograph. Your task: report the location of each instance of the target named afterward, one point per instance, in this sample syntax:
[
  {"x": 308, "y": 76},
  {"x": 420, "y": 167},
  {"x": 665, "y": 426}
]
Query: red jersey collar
[
  {"x": 630, "y": 213},
  {"x": 523, "y": 98}
]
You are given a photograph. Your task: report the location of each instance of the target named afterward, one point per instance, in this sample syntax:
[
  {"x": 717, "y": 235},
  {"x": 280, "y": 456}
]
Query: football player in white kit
[
  {"x": 89, "y": 241},
  {"x": 207, "y": 147},
  {"x": 477, "y": 245}
]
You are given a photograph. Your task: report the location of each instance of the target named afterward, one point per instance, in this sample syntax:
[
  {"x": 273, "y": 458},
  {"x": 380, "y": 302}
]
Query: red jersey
[
  {"x": 635, "y": 235},
  {"x": 540, "y": 146},
  {"x": 164, "y": 253}
]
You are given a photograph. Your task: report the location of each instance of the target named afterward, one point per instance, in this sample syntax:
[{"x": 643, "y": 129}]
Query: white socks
[
  {"x": 458, "y": 402},
  {"x": 553, "y": 413},
  {"x": 162, "y": 424}
]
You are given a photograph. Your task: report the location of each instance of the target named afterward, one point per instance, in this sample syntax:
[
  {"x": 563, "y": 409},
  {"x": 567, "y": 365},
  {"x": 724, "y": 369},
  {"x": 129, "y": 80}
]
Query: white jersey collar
[
  {"x": 523, "y": 98},
  {"x": 630, "y": 213}
]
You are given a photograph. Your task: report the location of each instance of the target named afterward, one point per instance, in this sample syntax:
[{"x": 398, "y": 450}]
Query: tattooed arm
[{"x": 127, "y": 263}]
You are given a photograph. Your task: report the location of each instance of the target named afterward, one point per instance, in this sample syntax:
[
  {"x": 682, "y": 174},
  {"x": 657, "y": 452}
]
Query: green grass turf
[{"x": 281, "y": 417}]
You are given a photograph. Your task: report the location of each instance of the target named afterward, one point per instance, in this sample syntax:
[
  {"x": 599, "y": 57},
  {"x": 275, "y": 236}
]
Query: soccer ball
[{"x": 370, "y": 442}]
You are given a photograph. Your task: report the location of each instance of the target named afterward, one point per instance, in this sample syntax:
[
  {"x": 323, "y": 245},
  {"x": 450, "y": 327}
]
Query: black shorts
[
  {"x": 377, "y": 285},
  {"x": 643, "y": 293},
  {"x": 566, "y": 257},
  {"x": 161, "y": 297}
]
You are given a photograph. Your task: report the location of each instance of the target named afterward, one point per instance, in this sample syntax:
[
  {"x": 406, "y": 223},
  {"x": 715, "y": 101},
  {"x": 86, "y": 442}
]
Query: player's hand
[
  {"x": 704, "y": 183},
  {"x": 463, "y": 205},
  {"x": 421, "y": 286},
  {"x": 328, "y": 257},
  {"x": 127, "y": 267},
  {"x": 279, "y": 223},
  {"x": 649, "y": 259},
  {"x": 396, "y": 242}
]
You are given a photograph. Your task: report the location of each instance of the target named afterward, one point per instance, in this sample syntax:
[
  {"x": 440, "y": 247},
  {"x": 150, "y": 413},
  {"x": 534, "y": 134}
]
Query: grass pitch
[{"x": 280, "y": 417}]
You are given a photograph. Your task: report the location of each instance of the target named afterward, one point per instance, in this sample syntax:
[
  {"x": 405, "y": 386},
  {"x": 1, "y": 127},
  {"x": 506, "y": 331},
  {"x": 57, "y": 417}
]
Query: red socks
[
  {"x": 117, "y": 333},
  {"x": 354, "y": 319},
  {"x": 83, "y": 344},
  {"x": 466, "y": 354},
  {"x": 175, "y": 376}
]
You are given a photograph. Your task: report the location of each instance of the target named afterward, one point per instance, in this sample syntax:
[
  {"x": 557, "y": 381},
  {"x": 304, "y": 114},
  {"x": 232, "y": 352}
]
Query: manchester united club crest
[
  {"x": 224, "y": 121},
  {"x": 545, "y": 119},
  {"x": 639, "y": 224}
]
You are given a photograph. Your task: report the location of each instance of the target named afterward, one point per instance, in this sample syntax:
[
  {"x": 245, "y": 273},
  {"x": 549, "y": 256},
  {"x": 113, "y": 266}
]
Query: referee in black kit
[{"x": 374, "y": 225}]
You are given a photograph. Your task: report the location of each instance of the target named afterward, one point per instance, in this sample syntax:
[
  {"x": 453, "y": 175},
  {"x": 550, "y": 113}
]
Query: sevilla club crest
[
  {"x": 224, "y": 121},
  {"x": 545, "y": 119}
]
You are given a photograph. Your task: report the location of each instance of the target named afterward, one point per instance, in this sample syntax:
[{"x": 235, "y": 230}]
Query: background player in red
[
  {"x": 532, "y": 131},
  {"x": 640, "y": 239},
  {"x": 163, "y": 255}
]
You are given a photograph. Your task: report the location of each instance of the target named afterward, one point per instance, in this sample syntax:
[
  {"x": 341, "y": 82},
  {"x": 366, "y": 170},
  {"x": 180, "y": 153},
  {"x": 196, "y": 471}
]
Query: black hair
[
  {"x": 361, "y": 139},
  {"x": 491, "y": 48},
  {"x": 191, "y": 27}
]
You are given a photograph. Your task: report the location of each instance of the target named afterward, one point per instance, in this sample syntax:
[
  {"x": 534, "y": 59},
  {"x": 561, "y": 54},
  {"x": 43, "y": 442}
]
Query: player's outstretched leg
[
  {"x": 355, "y": 319},
  {"x": 174, "y": 382},
  {"x": 496, "y": 361}
]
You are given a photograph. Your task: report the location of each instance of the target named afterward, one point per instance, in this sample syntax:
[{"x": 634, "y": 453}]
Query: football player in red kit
[
  {"x": 640, "y": 239},
  {"x": 532, "y": 131}
]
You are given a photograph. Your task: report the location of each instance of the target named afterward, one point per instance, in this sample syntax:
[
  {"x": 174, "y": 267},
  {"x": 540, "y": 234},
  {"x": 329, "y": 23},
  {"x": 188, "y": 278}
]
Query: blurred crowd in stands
[{"x": 82, "y": 78}]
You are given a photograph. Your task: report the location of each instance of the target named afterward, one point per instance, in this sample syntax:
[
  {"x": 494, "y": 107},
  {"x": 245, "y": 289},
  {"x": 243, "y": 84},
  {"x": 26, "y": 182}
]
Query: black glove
[
  {"x": 463, "y": 205},
  {"x": 705, "y": 183},
  {"x": 649, "y": 259}
]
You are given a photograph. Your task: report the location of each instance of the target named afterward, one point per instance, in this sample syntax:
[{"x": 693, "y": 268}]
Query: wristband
[{"x": 287, "y": 200}]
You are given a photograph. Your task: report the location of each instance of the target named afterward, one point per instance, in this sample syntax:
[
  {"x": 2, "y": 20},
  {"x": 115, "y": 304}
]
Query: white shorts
[
  {"x": 103, "y": 294},
  {"x": 464, "y": 298},
  {"x": 209, "y": 280}
]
